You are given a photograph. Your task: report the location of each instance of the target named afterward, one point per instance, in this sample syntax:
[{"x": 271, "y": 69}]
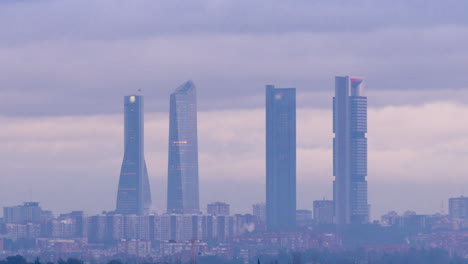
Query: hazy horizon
[
  {"x": 232, "y": 150},
  {"x": 67, "y": 65}
]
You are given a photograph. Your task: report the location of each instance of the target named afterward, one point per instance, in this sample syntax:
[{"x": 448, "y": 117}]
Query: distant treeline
[
  {"x": 413, "y": 256},
  {"x": 359, "y": 256},
  {"x": 21, "y": 260}
]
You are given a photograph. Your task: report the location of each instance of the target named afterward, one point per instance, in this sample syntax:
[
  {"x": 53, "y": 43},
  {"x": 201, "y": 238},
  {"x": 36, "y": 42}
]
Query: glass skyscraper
[
  {"x": 280, "y": 158},
  {"x": 350, "y": 152},
  {"x": 182, "y": 191},
  {"x": 134, "y": 195}
]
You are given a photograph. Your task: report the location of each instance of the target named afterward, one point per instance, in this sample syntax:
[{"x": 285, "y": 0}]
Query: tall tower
[
  {"x": 280, "y": 158},
  {"x": 134, "y": 195},
  {"x": 182, "y": 193},
  {"x": 350, "y": 151}
]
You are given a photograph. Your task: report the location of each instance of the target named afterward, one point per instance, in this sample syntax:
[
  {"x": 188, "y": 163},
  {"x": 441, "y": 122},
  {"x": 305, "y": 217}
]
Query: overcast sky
[{"x": 65, "y": 65}]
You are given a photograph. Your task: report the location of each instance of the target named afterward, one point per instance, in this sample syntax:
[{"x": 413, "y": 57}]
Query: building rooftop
[{"x": 186, "y": 87}]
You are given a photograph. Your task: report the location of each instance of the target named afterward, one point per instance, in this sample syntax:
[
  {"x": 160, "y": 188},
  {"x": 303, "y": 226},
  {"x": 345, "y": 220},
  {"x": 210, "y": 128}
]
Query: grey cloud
[
  {"x": 63, "y": 77},
  {"x": 80, "y": 57},
  {"x": 106, "y": 19}
]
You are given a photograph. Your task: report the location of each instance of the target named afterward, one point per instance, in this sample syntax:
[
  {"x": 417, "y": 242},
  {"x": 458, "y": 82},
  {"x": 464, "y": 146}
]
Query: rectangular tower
[
  {"x": 324, "y": 210},
  {"x": 133, "y": 196},
  {"x": 458, "y": 208},
  {"x": 350, "y": 152},
  {"x": 29, "y": 212},
  {"x": 280, "y": 158},
  {"x": 182, "y": 191}
]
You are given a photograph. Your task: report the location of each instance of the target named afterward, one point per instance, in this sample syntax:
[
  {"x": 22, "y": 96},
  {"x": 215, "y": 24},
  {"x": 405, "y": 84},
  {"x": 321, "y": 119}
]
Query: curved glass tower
[
  {"x": 133, "y": 196},
  {"x": 350, "y": 152},
  {"x": 182, "y": 191}
]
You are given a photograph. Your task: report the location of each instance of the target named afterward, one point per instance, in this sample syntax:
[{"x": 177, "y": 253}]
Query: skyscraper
[
  {"x": 350, "y": 151},
  {"x": 458, "y": 207},
  {"x": 182, "y": 193},
  {"x": 280, "y": 158},
  {"x": 133, "y": 196}
]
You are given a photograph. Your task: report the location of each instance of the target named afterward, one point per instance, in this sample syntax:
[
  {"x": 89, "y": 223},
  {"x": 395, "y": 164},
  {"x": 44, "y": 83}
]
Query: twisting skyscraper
[
  {"x": 182, "y": 191},
  {"x": 350, "y": 151},
  {"x": 280, "y": 158},
  {"x": 134, "y": 195}
]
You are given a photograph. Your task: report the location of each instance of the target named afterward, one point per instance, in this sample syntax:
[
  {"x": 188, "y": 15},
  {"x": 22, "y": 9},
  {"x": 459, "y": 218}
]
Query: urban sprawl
[{"x": 185, "y": 233}]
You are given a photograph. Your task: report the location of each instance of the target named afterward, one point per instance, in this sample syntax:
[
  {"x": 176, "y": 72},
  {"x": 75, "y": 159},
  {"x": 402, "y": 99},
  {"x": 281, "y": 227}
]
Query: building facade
[
  {"x": 218, "y": 208},
  {"x": 324, "y": 210},
  {"x": 182, "y": 192},
  {"x": 280, "y": 158},
  {"x": 259, "y": 211},
  {"x": 350, "y": 152},
  {"x": 303, "y": 218},
  {"x": 29, "y": 212},
  {"x": 133, "y": 195},
  {"x": 458, "y": 207}
]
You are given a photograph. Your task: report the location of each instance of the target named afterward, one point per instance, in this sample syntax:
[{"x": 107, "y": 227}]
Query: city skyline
[
  {"x": 71, "y": 107},
  {"x": 242, "y": 131},
  {"x": 301, "y": 198}
]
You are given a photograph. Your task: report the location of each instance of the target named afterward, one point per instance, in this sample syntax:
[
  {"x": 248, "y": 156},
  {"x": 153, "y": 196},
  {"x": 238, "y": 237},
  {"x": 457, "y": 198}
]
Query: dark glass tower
[
  {"x": 350, "y": 152},
  {"x": 182, "y": 191},
  {"x": 280, "y": 158},
  {"x": 133, "y": 196}
]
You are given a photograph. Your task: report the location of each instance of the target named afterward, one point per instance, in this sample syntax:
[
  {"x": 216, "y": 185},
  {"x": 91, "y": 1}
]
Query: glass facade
[
  {"x": 280, "y": 158},
  {"x": 182, "y": 193},
  {"x": 350, "y": 151},
  {"x": 458, "y": 208},
  {"x": 133, "y": 196}
]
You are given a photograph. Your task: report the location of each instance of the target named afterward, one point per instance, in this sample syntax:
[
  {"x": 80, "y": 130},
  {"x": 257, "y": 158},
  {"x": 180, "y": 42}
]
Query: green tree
[
  {"x": 114, "y": 261},
  {"x": 74, "y": 261},
  {"x": 16, "y": 260}
]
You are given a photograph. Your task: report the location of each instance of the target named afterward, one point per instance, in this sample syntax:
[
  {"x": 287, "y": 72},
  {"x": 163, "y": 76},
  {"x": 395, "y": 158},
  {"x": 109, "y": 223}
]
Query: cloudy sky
[{"x": 65, "y": 65}]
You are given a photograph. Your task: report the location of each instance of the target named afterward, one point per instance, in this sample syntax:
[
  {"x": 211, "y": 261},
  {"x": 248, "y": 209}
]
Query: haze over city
[
  {"x": 233, "y": 132},
  {"x": 66, "y": 65}
]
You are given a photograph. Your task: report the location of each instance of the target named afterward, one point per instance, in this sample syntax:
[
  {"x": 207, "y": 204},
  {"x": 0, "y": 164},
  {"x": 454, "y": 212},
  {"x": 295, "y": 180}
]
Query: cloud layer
[
  {"x": 78, "y": 57},
  {"x": 107, "y": 19}
]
